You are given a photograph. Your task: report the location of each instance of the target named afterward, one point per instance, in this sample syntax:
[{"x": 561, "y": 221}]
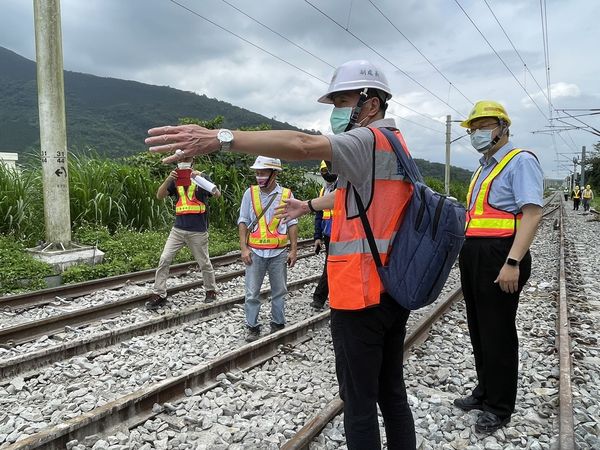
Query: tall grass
[
  {"x": 21, "y": 203},
  {"x": 122, "y": 194}
]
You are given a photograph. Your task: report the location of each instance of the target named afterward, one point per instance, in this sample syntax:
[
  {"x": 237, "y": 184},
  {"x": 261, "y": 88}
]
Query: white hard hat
[
  {"x": 264, "y": 162},
  {"x": 355, "y": 75}
]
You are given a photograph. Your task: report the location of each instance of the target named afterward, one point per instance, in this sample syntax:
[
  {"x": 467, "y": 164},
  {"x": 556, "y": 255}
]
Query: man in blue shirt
[
  {"x": 504, "y": 208},
  {"x": 190, "y": 229}
]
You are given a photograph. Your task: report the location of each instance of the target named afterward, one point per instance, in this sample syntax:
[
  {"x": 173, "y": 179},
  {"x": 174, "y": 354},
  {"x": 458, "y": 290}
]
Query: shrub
[{"x": 20, "y": 271}]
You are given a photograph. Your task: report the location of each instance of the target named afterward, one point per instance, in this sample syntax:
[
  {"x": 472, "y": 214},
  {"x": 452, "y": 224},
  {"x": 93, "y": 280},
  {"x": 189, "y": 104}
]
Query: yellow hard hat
[
  {"x": 323, "y": 166},
  {"x": 486, "y": 108},
  {"x": 588, "y": 187}
]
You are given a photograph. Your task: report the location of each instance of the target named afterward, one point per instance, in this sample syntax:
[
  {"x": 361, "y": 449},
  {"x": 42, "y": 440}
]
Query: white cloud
[{"x": 158, "y": 42}]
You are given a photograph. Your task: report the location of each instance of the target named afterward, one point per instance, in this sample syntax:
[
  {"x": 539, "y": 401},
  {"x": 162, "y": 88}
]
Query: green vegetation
[
  {"x": 114, "y": 207},
  {"x": 105, "y": 114},
  {"x": 19, "y": 270}
]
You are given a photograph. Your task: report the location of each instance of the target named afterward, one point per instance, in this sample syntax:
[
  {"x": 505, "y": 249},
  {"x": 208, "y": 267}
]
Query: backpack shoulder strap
[{"x": 407, "y": 162}]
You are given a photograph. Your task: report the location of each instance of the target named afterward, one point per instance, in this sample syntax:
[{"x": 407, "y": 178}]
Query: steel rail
[
  {"x": 418, "y": 334},
  {"x": 136, "y": 407},
  {"x": 100, "y": 341},
  {"x": 48, "y": 295},
  {"x": 31, "y": 330},
  {"x": 566, "y": 433}
]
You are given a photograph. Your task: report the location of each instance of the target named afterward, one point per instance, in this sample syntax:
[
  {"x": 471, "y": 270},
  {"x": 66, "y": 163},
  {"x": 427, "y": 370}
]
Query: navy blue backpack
[{"x": 426, "y": 245}]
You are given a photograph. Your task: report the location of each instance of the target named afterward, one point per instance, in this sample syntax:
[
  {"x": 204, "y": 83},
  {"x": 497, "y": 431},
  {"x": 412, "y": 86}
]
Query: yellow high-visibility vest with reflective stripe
[
  {"x": 483, "y": 220},
  {"x": 266, "y": 235},
  {"x": 187, "y": 203}
]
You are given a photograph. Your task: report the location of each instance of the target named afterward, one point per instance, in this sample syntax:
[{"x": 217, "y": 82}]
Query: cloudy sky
[{"x": 275, "y": 57}]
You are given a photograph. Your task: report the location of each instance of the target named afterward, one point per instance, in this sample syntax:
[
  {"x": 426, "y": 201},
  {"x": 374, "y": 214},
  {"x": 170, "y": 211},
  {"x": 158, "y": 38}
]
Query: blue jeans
[{"x": 255, "y": 274}]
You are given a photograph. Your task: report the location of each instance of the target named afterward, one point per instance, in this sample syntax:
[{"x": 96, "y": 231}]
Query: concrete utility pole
[
  {"x": 53, "y": 135},
  {"x": 582, "y": 167},
  {"x": 574, "y": 172},
  {"x": 447, "y": 171}
]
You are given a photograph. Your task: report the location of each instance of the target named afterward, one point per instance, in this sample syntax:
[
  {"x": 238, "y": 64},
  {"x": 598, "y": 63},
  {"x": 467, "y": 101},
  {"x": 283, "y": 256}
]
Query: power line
[
  {"x": 247, "y": 41},
  {"x": 500, "y": 58},
  {"x": 291, "y": 64},
  {"x": 278, "y": 34},
  {"x": 516, "y": 51},
  {"x": 384, "y": 58},
  {"x": 420, "y": 52},
  {"x": 317, "y": 57}
]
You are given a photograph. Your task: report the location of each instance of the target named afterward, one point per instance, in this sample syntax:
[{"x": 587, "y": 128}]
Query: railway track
[
  {"x": 70, "y": 291},
  {"x": 159, "y": 399}
]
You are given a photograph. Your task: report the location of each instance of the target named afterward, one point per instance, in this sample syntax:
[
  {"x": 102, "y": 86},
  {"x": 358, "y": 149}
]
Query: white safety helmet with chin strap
[
  {"x": 264, "y": 162},
  {"x": 355, "y": 75}
]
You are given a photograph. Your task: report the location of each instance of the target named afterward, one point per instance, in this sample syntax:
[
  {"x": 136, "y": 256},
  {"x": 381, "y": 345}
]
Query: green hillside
[
  {"x": 112, "y": 116},
  {"x": 107, "y": 114}
]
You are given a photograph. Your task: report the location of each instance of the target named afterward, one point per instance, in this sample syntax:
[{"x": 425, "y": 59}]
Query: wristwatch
[
  {"x": 225, "y": 138},
  {"x": 512, "y": 262}
]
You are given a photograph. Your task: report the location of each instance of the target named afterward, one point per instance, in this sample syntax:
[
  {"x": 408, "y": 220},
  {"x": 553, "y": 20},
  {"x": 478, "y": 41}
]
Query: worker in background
[
  {"x": 322, "y": 234},
  {"x": 587, "y": 195},
  {"x": 566, "y": 193},
  {"x": 367, "y": 325},
  {"x": 504, "y": 208},
  {"x": 576, "y": 196},
  {"x": 190, "y": 229},
  {"x": 263, "y": 244}
]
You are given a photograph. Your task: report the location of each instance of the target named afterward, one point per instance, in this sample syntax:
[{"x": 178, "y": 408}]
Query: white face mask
[
  {"x": 262, "y": 181},
  {"x": 481, "y": 140},
  {"x": 184, "y": 165}
]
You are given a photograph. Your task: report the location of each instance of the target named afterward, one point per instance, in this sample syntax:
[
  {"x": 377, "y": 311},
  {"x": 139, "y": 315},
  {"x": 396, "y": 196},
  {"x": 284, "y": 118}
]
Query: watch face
[{"x": 225, "y": 135}]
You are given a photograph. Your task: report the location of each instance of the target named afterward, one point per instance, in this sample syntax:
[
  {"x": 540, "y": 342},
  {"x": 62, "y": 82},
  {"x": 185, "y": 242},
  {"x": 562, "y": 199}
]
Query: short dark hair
[{"x": 382, "y": 96}]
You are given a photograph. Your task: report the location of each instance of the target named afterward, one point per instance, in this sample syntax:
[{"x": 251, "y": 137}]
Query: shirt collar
[
  {"x": 497, "y": 157},
  {"x": 383, "y": 123}
]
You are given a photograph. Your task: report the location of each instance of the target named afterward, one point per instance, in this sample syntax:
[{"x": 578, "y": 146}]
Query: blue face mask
[
  {"x": 340, "y": 118},
  {"x": 481, "y": 140}
]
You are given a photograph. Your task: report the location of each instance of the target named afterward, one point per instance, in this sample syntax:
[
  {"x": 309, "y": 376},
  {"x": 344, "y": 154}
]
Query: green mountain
[
  {"x": 107, "y": 114},
  {"x": 112, "y": 116}
]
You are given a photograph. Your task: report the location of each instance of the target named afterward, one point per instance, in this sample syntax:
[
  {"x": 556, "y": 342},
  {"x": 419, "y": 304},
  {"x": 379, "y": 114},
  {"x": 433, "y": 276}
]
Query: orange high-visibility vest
[
  {"x": 266, "y": 235},
  {"x": 187, "y": 203},
  {"x": 483, "y": 220},
  {"x": 352, "y": 273},
  {"x": 327, "y": 213}
]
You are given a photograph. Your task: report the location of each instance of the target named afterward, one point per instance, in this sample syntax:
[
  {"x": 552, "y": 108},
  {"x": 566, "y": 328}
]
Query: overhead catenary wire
[
  {"x": 294, "y": 65},
  {"x": 248, "y": 41},
  {"x": 500, "y": 58},
  {"x": 326, "y": 62},
  {"x": 516, "y": 51},
  {"x": 420, "y": 52},
  {"x": 403, "y": 72}
]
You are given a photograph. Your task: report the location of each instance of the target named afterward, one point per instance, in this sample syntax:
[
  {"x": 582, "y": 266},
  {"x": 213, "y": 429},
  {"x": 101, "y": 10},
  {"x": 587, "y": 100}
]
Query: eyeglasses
[{"x": 488, "y": 127}]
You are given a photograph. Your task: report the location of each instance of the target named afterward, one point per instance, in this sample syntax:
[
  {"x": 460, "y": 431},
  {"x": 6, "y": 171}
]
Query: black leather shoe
[
  {"x": 489, "y": 422},
  {"x": 156, "y": 301},
  {"x": 468, "y": 403}
]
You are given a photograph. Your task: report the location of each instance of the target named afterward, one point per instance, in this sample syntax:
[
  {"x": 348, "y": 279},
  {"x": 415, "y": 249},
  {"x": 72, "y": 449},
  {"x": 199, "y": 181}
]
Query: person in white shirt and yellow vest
[
  {"x": 263, "y": 243},
  {"x": 190, "y": 229},
  {"x": 504, "y": 208}
]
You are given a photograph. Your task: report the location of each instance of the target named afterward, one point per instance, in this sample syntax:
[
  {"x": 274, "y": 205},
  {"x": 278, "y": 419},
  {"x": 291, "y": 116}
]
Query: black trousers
[
  {"x": 368, "y": 347},
  {"x": 322, "y": 290},
  {"x": 576, "y": 203},
  {"x": 491, "y": 315}
]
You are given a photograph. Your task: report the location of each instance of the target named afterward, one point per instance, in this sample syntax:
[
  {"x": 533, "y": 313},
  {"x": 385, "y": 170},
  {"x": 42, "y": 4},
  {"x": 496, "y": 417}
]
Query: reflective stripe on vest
[
  {"x": 577, "y": 194},
  {"x": 587, "y": 193},
  {"x": 483, "y": 220},
  {"x": 327, "y": 213},
  {"x": 187, "y": 203},
  {"x": 352, "y": 274},
  {"x": 266, "y": 235}
]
